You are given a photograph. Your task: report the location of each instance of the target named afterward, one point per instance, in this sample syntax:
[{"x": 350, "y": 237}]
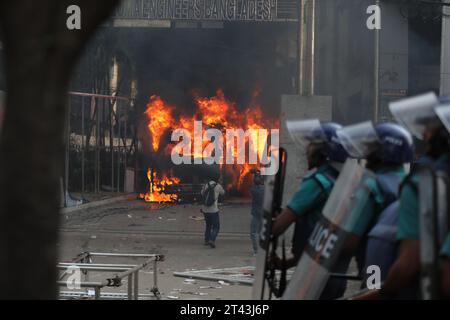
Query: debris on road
[
  {"x": 190, "y": 281},
  {"x": 196, "y": 218},
  {"x": 194, "y": 293},
  {"x": 225, "y": 276}
]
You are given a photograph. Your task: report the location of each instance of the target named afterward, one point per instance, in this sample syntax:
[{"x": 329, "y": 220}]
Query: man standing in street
[
  {"x": 210, "y": 209},
  {"x": 257, "y": 192}
]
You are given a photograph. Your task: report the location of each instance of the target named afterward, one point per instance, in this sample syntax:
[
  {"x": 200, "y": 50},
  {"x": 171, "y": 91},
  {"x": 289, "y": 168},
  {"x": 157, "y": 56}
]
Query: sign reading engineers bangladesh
[{"x": 216, "y": 10}]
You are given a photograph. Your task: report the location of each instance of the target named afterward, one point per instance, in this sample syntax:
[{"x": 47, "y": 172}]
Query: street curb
[
  {"x": 94, "y": 204},
  {"x": 152, "y": 233}
]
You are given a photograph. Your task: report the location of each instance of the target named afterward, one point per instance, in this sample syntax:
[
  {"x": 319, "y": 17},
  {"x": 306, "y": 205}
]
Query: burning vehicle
[{"x": 168, "y": 182}]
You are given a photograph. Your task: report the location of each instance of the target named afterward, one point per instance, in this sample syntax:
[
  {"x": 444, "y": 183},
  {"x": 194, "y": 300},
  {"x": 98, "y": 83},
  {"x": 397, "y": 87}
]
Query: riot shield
[
  {"x": 273, "y": 196},
  {"x": 443, "y": 209},
  {"x": 434, "y": 225},
  {"x": 330, "y": 233}
]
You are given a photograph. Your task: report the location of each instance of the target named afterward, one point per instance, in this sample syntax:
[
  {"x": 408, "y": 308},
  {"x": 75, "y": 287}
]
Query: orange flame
[
  {"x": 217, "y": 112},
  {"x": 157, "y": 187},
  {"x": 160, "y": 117}
]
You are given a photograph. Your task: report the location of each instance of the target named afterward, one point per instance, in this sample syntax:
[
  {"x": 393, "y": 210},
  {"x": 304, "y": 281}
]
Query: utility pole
[
  {"x": 306, "y": 46},
  {"x": 376, "y": 105},
  {"x": 445, "y": 52}
]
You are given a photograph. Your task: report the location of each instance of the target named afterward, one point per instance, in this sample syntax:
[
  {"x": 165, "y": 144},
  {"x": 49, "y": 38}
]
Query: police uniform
[
  {"x": 371, "y": 200},
  {"x": 308, "y": 202},
  {"x": 313, "y": 193},
  {"x": 408, "y": 221},
  {"x": 445, "y": 250},
  {"x": 408, "y": 224},
  {"x": 375, "y": 195}
]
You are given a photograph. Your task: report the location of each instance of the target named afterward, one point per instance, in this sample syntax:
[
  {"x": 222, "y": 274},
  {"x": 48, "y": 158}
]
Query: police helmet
[
  {"x": 312, "y": 131},
  {"x": 396, "y": 143},
  {"x": 389, "y": 142}
]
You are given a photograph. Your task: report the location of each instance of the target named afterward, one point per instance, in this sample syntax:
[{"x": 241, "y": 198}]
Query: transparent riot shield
[
  {"x": 330, "y": 233},
  {"x": 273, "y": 196},
  {"x": 443, "y": 209},
  {"x": 434, "y": 225}
]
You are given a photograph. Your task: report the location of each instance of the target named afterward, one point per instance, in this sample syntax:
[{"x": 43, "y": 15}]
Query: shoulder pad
[
  {"x": 323, "y": 181},
  {"x": 310, "y": 175}
]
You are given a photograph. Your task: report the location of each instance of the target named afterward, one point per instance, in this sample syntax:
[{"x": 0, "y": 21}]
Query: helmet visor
[
  {"x": 305, "y": 132},
  {"x": 443, "y": 113},
  {"x": 416, "y": 113},
  {"x": 359, "y": 140}
]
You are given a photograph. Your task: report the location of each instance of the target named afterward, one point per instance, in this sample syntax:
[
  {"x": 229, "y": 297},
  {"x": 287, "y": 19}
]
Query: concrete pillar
[
  {"x": 299, "y": 107},
  {"x": 306, "y": 40},
  {"x": 445, "y": 53},
  {"x": 394, "y": 50}
]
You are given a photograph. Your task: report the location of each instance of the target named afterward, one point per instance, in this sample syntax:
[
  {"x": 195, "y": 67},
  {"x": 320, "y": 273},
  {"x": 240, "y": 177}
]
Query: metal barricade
[{"x": 84, "y": 263}]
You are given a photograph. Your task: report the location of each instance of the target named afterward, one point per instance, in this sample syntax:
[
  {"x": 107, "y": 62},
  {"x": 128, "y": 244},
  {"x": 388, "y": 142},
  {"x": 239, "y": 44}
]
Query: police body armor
[
  {"x": 382, "y": 244},
  {"x": 321, "y": 255}
]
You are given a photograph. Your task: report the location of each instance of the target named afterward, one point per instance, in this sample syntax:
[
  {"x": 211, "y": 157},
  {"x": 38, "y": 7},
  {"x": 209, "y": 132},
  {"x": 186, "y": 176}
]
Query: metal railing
[
  {"x": 100, "y": 140},
  {"x": 84, "y": 263}
]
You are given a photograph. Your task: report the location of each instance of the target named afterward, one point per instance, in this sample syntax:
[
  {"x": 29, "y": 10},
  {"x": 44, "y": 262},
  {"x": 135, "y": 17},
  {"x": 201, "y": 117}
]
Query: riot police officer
[
  {"x": 325, "y": 156},
  {"x": 418, "y": 115},
  {"x": 387, "y": 148},
  {"x": 443, "y": 164}
]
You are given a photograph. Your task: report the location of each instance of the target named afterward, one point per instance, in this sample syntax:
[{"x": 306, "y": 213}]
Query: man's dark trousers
[{"x": 212, "y": 226}]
